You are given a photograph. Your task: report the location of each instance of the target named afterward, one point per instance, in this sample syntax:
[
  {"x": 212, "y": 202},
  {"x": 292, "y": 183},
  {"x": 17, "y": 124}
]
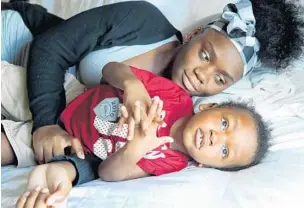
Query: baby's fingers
[
  {"x": 131, "y": 129},
  {"x": 158, "y": 117},
  {"x": 134, "y": 121},
  {"x": 121, "y": 123},
  {"x": 137, "y": 112},
  {"x": 123, "y": 116},
  {"x": 159, "y": 108},
  {"x": 151, "y": 114},
  {"x": 143, "y": 123}
]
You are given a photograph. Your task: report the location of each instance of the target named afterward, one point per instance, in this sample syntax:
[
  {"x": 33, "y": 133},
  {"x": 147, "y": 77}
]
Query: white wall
[{"x": 183, "y": 14}]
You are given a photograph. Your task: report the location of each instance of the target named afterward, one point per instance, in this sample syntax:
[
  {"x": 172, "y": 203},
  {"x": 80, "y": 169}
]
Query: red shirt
[{"x": 92, "y": 118}]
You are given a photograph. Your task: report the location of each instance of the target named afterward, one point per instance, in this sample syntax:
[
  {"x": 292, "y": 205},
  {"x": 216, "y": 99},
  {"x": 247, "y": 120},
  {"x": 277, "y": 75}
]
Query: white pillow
[{"x": 14, "y": 98}]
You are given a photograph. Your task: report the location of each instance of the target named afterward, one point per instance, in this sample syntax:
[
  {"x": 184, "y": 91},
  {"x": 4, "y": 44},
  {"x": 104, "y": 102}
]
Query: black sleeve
[
  {"x": 35, "y": 17},
  {"x": 86, "y": 169},
  {"x": 126, "y": 23}
]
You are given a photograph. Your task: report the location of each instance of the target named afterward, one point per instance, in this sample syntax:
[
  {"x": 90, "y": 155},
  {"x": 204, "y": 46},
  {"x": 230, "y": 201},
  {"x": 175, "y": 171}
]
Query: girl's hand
[{"x": 48, "y": 186}]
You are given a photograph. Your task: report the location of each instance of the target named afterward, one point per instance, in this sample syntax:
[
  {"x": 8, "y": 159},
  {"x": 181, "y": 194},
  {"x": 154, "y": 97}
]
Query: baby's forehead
[
  {"x": 246, "y": 148},
  {"x": 235, "y": 111},
  {"x": 244, "y": 137},
  {"x": 234, "y": 114},
  {"x": 244, "y": 118}
]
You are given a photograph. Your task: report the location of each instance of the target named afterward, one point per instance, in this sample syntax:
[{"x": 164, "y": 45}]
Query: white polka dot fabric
[
  {"x": 109, "y": 128},
  {"x": 103, "y": 147},
  {"x": 119, "y": 145}
]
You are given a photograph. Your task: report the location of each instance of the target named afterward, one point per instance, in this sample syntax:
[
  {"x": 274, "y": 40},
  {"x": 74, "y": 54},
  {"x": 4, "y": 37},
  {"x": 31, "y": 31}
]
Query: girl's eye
[
  {"x": 204, "y": 56},
  {"x": 224, "y": 124},
  {"x": 219, "y": 80},
  {"x": 224, "y": 151}
]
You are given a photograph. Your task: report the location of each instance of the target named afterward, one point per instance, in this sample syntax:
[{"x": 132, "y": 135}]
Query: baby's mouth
[{"x": 199, "y": 138}]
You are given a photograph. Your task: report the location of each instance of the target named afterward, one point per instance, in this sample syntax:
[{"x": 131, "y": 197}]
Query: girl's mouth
[{"x": 187, "y": 83}]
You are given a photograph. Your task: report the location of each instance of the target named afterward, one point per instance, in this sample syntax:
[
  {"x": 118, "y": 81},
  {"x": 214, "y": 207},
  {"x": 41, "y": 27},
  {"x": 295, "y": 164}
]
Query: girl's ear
[{"x": 193, "y": 33}]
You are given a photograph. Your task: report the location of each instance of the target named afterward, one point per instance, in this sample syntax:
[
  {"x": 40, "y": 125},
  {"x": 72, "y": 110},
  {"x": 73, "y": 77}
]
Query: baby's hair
[
  {"x": 263, "y": 133},
  {"x": 279, "y": 28}
]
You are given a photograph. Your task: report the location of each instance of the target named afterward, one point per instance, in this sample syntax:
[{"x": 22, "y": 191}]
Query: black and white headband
[{"x": 238, "y": 23}]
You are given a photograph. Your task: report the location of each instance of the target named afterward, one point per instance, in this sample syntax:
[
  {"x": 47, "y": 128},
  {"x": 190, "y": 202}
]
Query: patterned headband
[{"x": 238, "y": 23}]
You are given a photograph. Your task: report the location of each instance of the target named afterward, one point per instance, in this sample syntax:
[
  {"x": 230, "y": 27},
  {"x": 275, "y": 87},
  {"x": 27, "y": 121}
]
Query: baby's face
[{"x": 221, "y": 137}]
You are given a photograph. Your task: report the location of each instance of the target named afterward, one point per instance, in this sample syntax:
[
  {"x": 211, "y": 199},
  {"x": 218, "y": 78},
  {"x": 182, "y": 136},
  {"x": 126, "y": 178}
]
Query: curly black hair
[
  {"x": 263, "y": 132},
  {"x": 279, "y": 28}
]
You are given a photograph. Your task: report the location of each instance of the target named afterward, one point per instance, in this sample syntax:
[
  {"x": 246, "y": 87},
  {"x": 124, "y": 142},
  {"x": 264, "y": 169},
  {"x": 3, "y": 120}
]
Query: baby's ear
[
  {"x": 207, "y": 106},
  {"x": 201, "y": 165}
]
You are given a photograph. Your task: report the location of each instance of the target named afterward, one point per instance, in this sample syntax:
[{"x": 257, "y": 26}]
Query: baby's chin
[
  {"x": 188, "y": 140},
  {"x": 193, "y": 153}
]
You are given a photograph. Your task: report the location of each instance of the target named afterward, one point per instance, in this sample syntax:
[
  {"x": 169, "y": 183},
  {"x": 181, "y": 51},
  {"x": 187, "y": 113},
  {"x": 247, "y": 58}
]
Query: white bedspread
[{"x": 277, "y": 182}]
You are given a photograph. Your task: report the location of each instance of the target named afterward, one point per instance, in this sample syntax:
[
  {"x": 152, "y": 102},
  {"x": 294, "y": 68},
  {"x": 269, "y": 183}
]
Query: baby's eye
[
  {"x": 224, "y": 124},
  {"x": 204, "y": 56},
  {"x": 224, "y": 151}
]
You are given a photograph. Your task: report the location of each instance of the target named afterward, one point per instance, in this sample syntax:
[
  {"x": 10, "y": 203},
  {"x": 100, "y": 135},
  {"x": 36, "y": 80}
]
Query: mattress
[{"x": 277, "y": 182}]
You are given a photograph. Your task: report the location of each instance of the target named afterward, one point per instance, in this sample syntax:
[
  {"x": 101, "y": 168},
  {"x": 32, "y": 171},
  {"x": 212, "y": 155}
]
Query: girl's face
[{"x": 207, "y": 64}]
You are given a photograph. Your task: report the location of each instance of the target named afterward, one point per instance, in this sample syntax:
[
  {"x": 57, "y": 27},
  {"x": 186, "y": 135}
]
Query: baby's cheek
[{"x": 210, "y": 155}]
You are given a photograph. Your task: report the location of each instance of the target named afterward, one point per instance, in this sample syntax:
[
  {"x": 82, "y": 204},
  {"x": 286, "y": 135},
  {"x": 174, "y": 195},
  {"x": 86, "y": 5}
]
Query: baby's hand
[
  {"x": 154, "y": 114},
  {"x": 140, "y": 117},
  {"x": 144, "y": 142}
]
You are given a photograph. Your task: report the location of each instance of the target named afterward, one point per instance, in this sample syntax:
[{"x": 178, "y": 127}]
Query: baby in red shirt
[{"x": 227, "y": 136}]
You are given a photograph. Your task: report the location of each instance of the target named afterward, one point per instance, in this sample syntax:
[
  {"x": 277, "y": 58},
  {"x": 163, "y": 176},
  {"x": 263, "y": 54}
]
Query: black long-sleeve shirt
[
  {"x": 64, "y": 45},
  {"x": 35, "y": 17}
]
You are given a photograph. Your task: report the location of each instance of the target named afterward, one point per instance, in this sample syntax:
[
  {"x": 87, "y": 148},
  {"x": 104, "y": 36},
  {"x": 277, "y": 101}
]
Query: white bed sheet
[{"x": 277, "y": 182}]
